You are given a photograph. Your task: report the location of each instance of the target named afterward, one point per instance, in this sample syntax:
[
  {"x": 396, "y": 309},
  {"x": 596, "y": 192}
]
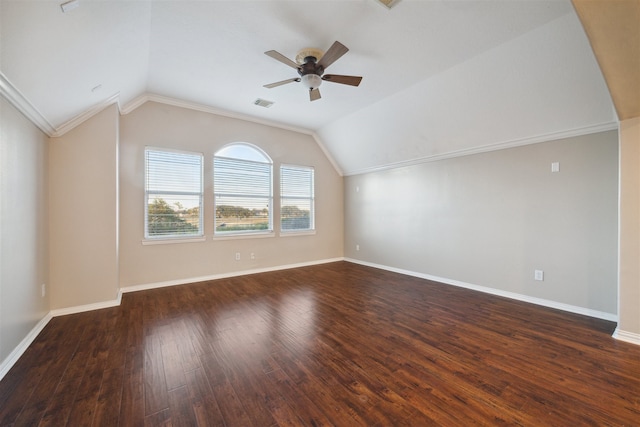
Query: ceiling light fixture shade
[{"x": 311, "y": 81}]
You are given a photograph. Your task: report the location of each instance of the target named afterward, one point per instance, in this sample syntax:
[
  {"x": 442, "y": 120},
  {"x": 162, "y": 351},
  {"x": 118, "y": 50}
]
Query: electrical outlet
[
  {"x": 253, "y": 256},
  {"x": 538, "y": 275},
  {"x": 237, "y": 256},
  {"x": 357, "y": 247},
  {"x": 44, "y": 290}
]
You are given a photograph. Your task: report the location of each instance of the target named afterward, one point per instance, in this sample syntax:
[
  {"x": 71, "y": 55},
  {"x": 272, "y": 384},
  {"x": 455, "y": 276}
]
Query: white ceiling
[{"x": 440, "y": 76}]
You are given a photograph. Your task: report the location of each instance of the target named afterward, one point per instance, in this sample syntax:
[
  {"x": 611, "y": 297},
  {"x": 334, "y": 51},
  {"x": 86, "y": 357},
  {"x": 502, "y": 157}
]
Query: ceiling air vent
[{"x": 263, "y": 103}]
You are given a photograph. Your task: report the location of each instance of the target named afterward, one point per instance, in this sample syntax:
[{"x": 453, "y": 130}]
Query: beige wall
[
  {"x": 491, "y": 219},
  {"x": 630, "y": 227},
  {"x": 166, "y": 126},
  {"x": 83, "y": 208},
  {"x": 23, "y": 227}
]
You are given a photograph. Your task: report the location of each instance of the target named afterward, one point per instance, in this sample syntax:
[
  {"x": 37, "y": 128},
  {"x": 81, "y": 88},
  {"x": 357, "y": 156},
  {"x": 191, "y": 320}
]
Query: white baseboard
[
  {"x": 629, "y": 337},
  {"x": 8, "y": 363},
  {"x": 13, "y": 357},
  {"x": 88, "y": 307},
  {"x": 146, "y": 286},
  {"x": 512, "y": 295}
]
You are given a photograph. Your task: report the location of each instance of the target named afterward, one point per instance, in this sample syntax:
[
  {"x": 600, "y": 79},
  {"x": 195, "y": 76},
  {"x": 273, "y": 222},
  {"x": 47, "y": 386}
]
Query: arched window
[{"x": 242, "y": 187}]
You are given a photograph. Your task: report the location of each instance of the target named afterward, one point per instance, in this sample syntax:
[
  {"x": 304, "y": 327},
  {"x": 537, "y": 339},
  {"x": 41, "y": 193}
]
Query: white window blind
[
  {"x": 173, "y": 192},
  {"x": 296, "y": 198},
  {"x": 242, "y": 191}
]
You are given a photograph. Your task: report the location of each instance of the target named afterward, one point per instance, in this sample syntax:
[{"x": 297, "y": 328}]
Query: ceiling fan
[{"x": 310, "y": 64}]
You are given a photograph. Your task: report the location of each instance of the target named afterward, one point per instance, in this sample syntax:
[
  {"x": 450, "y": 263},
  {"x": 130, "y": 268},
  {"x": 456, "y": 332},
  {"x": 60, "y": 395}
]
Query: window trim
[
  {"x": 172, "y": 240},
  {"x": 166, "y": 239},
  {"x": 306, "y": 231}
]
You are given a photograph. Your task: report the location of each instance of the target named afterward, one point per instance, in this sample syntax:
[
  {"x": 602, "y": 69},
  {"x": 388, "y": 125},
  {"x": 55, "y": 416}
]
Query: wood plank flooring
[{"x": 330, "y": 345}]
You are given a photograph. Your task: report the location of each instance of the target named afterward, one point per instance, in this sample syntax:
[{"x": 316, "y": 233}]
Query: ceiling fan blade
[
  {"x": 283, "y": 82},
  {"x": 334, "y": 53},
  {"x": 314, "y": 94},
  {"x": 280, "y": 57},
  {"x": 345, "y": 80}
]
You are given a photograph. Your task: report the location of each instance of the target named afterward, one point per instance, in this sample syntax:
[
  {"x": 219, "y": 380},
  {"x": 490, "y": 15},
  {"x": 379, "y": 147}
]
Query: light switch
[{"x": 555, "y": 167}]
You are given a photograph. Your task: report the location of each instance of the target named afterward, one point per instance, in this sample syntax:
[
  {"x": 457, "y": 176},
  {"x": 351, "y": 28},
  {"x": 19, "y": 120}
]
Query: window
[
  {"x": 296, "y": 198},
  {"x": 173, "y": 193},
  {"x": 242, "y": 190}
]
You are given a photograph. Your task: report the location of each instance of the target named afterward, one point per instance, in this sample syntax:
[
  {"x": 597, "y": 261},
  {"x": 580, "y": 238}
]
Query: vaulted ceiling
[{"x": 441, "y": 77}]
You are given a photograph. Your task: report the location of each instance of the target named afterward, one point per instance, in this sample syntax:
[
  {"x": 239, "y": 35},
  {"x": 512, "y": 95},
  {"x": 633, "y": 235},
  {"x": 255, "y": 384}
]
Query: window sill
[
  {"x": 244, "y": 236},
  {"x": 297, "y": 233},
  {"x": 172, "y": 240}
]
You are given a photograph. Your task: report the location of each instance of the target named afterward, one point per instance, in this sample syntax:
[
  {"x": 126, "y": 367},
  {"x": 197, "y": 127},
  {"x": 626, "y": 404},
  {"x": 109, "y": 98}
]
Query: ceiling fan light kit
[
  {"x": 310, "y": 64},
  {"x": 311, "y": 81}
]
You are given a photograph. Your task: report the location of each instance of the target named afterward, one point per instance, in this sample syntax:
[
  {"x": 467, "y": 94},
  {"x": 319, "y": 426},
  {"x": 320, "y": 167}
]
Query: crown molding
[
  {"x": 134, "y": 103},
  {"x": 586, "y": 130},
  {"x": 150, "y": 97},
  {"x": 327, "y": 154},
  {"x": 86, "y": 115},
  {"x": 22, "y": 104}
]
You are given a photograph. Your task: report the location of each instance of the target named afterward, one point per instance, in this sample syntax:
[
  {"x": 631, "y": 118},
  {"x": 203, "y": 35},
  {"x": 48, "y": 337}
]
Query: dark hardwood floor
[{"x": 336, "y": 344}]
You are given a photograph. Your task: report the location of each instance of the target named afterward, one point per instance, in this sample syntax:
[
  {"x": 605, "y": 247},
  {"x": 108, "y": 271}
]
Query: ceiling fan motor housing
[{"x": 311, "y": 73}]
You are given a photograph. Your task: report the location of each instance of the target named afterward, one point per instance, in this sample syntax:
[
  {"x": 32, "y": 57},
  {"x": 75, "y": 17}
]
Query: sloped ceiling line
[
  {"x": 86, "y": 115},
  {"x": 146, "y": 97},
  {"x": 22, "y": 104},
  {"x": 327, "y": 153},
  {"x": 137, "y": 102},
  {"x": 440, "y": 76},
  {"x": 15, "y": 97},
  {"x": 603, "y": 127}
]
